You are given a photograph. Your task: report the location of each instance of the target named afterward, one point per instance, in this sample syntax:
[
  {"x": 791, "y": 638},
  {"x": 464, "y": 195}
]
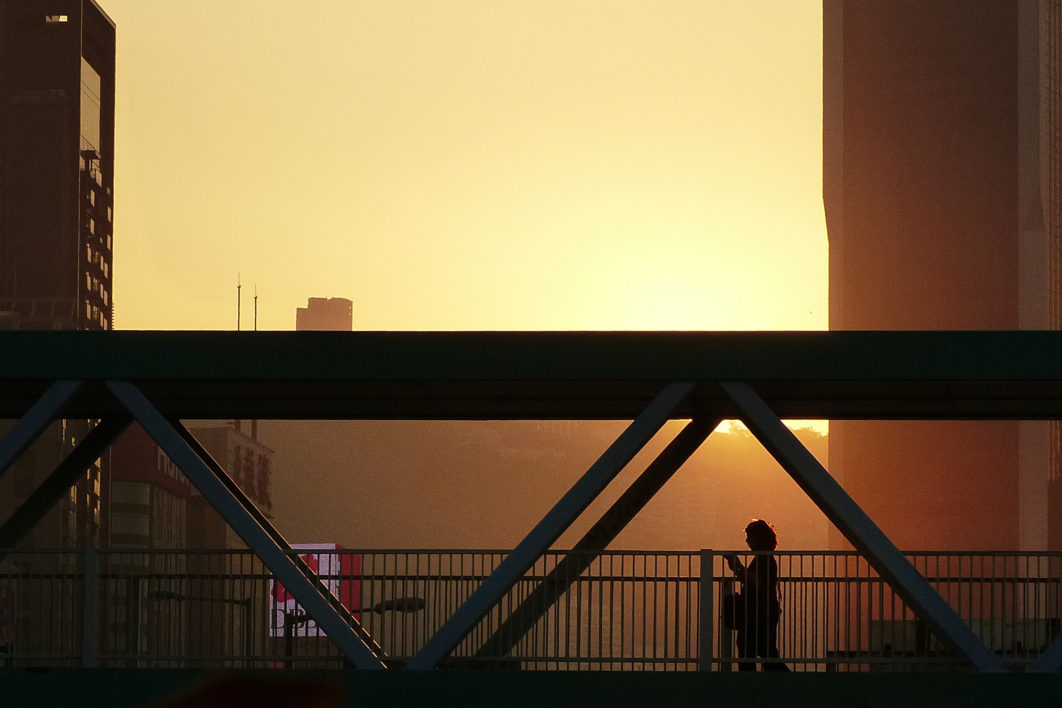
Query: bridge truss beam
[{"x": 159, "y": 379}]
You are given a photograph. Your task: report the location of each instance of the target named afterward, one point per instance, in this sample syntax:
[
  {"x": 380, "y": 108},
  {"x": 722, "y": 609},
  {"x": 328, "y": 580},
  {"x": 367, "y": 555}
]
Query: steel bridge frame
[{"x": 159, "y": 379}]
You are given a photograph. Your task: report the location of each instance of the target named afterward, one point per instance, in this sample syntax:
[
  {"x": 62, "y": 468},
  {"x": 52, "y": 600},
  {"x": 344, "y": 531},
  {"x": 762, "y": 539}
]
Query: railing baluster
[
  {"x": 705, "y": 612},
  {"x": 627, "y": 610},
  {"x": 90, "y": 574}
]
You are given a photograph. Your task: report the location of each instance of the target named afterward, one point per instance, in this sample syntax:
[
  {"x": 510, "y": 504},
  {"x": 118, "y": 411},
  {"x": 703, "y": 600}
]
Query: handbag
[{"x": 733, "y": 610}]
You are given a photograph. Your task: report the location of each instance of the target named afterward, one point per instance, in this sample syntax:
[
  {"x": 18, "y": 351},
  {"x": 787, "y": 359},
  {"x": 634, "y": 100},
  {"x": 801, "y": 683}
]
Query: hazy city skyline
[
  {"x": 486, "y": 165},
  {"x": 462, "y": 484},
  {"x": 527, "y": 165}
]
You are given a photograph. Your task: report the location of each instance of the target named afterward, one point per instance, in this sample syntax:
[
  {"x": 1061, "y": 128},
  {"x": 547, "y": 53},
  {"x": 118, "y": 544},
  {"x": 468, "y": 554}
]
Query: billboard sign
[{"x": 337, "y": 569}]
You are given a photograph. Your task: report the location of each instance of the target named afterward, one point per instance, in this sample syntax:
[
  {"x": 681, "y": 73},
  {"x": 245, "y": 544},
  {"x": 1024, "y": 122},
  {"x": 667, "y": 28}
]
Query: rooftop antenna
[
  {"x": 238, "y": 424},
  {"x": 254, "y": 421}
]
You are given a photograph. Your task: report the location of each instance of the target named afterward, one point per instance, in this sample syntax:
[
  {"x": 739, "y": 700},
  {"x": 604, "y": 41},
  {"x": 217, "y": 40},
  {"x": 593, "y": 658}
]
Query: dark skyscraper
[
  {"x": 56, "y": 199},
  {"x": 56, "y": 164},
  {"x": 941, "y": 150}
]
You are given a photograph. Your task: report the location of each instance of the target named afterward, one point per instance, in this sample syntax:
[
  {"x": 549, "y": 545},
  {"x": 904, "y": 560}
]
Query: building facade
[
  {"x": 941, "y": 171},
  {"x": 56, "y": 241},
  {"x": 56, "y": 164},
  {"x": 332, "y": 314},
  {"x": 154, "y": 506},
  {"x": 57, "y": 68}
]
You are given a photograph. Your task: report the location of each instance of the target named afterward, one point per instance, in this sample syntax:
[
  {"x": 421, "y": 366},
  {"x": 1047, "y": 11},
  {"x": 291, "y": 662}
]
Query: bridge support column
[
  {"x": 30, "y": 426},
  {"x": 559, "y": 518},
  {"x": 858, "y": 528},
  {"x": 52, "y": 489},
  {"x": 256, "y": 531},
  {"x": 1051, "y": 660},
  {"x": 589, "y": 547}
]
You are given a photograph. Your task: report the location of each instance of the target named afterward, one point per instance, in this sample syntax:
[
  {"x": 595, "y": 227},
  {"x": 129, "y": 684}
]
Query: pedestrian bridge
[
  {"x": 161, "y": 379},
  {"x": 619, "y": 610}
]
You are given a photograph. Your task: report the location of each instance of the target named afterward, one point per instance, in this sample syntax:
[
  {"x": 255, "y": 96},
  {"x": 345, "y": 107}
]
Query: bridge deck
[{"x": 541, "y": 375}]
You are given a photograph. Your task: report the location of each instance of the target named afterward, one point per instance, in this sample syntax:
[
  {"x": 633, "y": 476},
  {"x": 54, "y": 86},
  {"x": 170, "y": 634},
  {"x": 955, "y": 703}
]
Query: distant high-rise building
[
  {"x": 56, "y": 164},
  {"x": 941, "y": 183},
  {"x": 332, "y": 314},
  {"x": 154, "y": 505},
  {"x": 56, "y": 196},
  {"x": 56, "y": 240}
]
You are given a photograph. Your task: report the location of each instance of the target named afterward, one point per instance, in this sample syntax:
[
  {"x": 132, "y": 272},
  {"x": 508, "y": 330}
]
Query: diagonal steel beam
[
  {"x": 308, "y": 593},
  {"x": 232, "y": 487},
  {"x": 589, "y": 547},
  {"x": 1051, "y": 660},
  {"x": 255, "y": 513},
  {"x": 549, "y": 529},
  {"x": 858, "y": 528},
  {"x": 52, "y": 489},
  {"x": 32, "y": 424}
]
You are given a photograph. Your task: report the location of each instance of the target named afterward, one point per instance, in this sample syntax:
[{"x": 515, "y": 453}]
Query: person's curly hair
[{"x": 761, "y": 535}]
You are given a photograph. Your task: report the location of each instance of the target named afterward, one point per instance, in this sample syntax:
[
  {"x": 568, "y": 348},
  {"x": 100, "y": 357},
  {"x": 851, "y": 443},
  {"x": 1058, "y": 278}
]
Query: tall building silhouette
[
  {"x": 56, "y": 213},
  {"x": 56, "y": 164},
  {"x": 941, "y": 184}
]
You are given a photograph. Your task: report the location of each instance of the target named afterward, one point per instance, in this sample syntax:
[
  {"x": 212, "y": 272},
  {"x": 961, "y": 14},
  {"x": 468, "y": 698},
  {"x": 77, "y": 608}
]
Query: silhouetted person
[{"x": 759, "y": 610}]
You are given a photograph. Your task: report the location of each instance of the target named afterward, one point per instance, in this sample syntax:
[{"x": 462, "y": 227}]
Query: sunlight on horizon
[
  {"x": 822, "y": 427},
  {"x": 493, "y": 165}
]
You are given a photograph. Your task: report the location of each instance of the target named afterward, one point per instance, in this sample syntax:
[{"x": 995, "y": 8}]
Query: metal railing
[{"x": 620, "y": 610}]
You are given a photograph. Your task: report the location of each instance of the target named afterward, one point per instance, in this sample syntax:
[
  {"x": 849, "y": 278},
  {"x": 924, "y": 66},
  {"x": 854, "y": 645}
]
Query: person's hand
[{"x": 731, "y": 559}]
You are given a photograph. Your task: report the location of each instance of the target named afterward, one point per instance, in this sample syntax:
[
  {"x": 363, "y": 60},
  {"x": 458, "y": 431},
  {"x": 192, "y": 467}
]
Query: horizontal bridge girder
[{"x": 540, "y": 375}]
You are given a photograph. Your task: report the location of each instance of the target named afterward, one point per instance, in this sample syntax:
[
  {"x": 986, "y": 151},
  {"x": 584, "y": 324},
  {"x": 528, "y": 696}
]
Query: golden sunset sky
[{"x": 471, "y": 164}]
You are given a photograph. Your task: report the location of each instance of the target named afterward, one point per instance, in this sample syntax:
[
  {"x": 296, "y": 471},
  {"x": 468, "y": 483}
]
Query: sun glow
[{"x": 484, "y": 165}]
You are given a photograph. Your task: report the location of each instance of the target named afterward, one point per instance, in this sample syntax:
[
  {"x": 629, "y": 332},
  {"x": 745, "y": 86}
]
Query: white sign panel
[{"x": 338, "y": 570}]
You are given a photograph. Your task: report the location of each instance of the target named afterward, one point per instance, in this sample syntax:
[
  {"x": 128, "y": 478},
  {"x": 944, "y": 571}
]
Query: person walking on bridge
[{"x": 759, "y": 607}]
